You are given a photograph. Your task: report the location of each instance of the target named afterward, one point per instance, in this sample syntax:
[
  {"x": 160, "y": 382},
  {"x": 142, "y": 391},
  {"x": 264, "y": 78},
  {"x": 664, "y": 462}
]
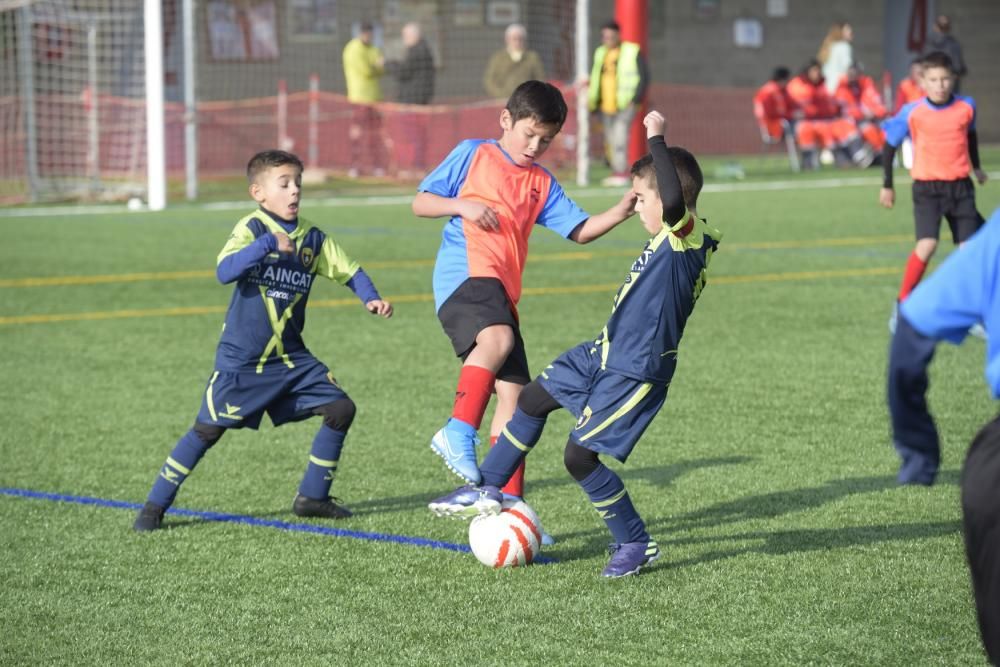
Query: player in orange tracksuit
[
  {"x": 773, "y": 106},
  {"x": 860, "y": 99},
  {"x": 909, "y": 89},
  {"x": 823, "y": 125}
]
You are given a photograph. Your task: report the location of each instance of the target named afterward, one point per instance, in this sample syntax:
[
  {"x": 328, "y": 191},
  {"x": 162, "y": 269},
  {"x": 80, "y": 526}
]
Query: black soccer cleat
[
  {"x": 322, "y": 509},
  {"x": 150, "y": 518}
]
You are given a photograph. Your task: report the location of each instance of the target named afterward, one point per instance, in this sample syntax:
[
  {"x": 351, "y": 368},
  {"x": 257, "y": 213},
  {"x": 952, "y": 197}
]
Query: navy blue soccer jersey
[
  {"x": 652, "y": 306},
  {"x": 267, "y": 312}
]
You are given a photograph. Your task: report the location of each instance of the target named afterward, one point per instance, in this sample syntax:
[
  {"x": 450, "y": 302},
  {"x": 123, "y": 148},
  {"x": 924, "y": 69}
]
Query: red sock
[
  {"x": 915, "y": 268},
  {"x": 475, "y": 384},
  {"x": 514, "y": 485}
]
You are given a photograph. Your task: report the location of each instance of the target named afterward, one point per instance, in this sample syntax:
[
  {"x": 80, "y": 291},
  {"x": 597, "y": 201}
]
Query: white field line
[{"x": 396, "y": 200}]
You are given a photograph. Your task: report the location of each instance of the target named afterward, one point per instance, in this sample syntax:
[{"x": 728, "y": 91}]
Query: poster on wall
[
  {"x": 239, "y": 31},
  {"x": 503, "y": 12},
  {"x": 468, "y": 13},
  {"x": 312, "y": 20}
]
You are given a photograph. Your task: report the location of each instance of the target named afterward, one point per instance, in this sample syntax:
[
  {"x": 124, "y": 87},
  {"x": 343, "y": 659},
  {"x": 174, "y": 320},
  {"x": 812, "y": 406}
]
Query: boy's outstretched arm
[
  {"x": 430, "y": 205},
  {"x": 667, "y": 182},
  {"x": 365, "y": 290},
  {"x": 598, "y": 225}
]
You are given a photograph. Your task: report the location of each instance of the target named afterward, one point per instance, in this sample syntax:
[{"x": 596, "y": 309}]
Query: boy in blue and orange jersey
[
  {"x": 615, "y": 385},
  {"x": 261, "y": 363},
  {"x": 494, "y": 193},
  {"x": 945, "y": 151}
]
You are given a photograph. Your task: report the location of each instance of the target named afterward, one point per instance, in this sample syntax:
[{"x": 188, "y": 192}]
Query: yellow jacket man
[
  {"x": 618, "y": 81},
  {"x": 363, "y": 67}
]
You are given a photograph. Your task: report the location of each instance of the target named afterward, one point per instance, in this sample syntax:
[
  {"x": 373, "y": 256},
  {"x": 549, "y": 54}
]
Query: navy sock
[
  {"x": 322, "y": 466},
  {"x": 182, "y": 460},
  {"x": 518, "y": 437},
  {"x": 609, "y": 497}
]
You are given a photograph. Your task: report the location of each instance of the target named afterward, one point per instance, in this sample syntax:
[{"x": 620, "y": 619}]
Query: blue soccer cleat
[
  {"x": 456, "y": 444},
  {"x": 627, "y": 559},
  {"x": 467, "y": 502}
]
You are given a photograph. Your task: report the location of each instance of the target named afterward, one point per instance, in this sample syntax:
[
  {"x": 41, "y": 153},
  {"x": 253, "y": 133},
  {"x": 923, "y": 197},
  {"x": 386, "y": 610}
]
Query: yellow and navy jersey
[
  {"x": 267, "y": 312},
  {"x": 652, "y": 306}
]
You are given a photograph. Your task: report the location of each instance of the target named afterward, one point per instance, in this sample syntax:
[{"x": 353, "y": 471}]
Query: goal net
[{"x": 72, "y": 105}]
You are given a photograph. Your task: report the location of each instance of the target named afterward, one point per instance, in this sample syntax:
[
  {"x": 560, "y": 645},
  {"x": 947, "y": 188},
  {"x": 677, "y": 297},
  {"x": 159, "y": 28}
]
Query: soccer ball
[{"x": 509, "y": 539}]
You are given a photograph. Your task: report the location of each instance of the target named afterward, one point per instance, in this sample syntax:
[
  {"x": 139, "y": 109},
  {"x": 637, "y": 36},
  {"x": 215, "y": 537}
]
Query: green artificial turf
[{"x": 768, "y": 479}]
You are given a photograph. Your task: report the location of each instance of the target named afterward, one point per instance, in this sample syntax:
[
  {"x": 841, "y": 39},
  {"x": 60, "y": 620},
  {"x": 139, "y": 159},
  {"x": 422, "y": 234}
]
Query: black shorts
[
  {"x": 955, "y": 200},
  {"x": 476, "y": 304}
]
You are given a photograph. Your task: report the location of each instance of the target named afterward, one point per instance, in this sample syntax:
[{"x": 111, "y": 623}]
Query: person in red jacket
[
  {"x": 773, "y": 107},
  {"x": 860, "y": 100},
  {"x": 824, "y": 126},
  {"x": 909, "y": 89}
]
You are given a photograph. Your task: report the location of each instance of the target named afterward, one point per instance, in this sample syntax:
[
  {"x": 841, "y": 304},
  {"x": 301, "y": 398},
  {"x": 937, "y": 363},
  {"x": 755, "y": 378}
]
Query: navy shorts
[
  {"x": 612, "y": 411},
  {"x": 235, "y": 399},
  {"x": 476, "y": 304},
  {"x": 954, "y": 200}
]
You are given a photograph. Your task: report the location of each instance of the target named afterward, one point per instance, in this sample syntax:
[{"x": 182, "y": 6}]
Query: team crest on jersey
[{"x": 307, "y": 256}]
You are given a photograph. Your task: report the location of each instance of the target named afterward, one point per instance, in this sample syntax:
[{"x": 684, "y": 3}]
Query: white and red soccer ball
[{"x": 509, "y": 539}]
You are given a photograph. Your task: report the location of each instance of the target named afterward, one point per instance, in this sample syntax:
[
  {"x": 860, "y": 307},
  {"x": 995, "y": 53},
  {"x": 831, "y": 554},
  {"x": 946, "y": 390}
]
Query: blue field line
[{"x": 254, "y": 521}]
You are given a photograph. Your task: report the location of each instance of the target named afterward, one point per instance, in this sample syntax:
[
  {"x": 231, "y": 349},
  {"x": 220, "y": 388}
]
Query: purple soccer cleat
[{"x": 627, "y": 559}]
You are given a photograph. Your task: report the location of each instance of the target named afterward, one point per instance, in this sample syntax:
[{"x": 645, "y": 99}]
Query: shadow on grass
[
  {"x": 660, "y": 476},
  {"x": 782, "y": 542},
  {"x": 772, "y": 505}
]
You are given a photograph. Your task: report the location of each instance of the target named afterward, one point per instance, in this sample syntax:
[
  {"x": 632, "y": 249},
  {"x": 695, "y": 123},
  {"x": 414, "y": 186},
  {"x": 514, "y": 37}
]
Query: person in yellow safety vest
[
  {"x": 618, "y": 81},
  {"x": 364, "y": 66}
]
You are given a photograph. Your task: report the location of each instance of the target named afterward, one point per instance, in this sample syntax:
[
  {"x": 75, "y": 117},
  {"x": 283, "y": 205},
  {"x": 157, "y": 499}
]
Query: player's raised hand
[
  {"x": 655, "y": 124},
  {"x": 981, "y": 176},
  {"x": 379, "y": 307},
  {"x": 479, "y": 214},
  {"x": 284, "y": 242},
  {"x": 887, "y": 197}
]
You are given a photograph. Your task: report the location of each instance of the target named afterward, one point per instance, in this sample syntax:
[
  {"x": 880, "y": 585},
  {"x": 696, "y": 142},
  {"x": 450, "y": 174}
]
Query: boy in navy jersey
[
  {"x": 261, "y": 363},
  {"x": 616, "y": 384}
]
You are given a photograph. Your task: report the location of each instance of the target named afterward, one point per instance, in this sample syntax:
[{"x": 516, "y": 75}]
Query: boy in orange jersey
[
  {"x": 859, "y": 98},
  {"x": 945, "y": 151},
  {"x": 494, "y": 194}
]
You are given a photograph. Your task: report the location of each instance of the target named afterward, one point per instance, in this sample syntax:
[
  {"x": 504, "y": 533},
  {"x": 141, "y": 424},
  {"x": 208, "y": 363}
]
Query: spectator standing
[
  {"x": 618, "y": 81},
  {"x": 415, "y": 73},
  {"x": 836, "y": 54},
  {"x": 941, "y": 39},
  {"x": 512, "y": 65},
  {"x": 364, "y": 66}
]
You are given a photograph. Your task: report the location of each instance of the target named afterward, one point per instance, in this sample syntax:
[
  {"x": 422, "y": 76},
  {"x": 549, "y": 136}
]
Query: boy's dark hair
[
  {"x": 939, "y": 59},
  {"x": 812, "y": 62},
  {"x": 688, "y": 173},
  {"x": 612, "y": 25},
  {"x": 538, "y": 100},
  {"x": 781, "y": 73},
  {"x": 268, "y": 159}
]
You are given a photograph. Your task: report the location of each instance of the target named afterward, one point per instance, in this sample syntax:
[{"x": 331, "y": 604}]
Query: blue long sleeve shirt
[{"x": 963, "y": 291}]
